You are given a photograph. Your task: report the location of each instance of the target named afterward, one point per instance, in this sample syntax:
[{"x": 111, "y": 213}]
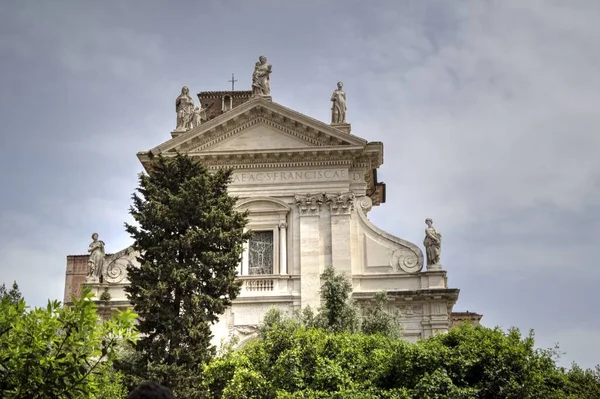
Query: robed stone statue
[
  {"x": 338, "y": 109},
  {"x": 261, "y": 85},
  {"x": 432, "y": 243},
  {"x": 96, "y": 259},
  {"x": 184, "y": 106}
]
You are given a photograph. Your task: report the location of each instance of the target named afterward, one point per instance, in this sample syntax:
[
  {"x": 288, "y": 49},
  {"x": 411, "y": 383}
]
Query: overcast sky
[{"x": 488, "y": 111}]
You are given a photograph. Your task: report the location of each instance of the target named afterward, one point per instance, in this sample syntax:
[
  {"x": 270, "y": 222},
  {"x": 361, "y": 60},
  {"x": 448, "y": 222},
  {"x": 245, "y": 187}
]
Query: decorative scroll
[
  {"x": 341, "y": 204},
  {"x": 405, "y": 260},
  {"x": 309, "y": 204},
  {"x": 260, "y": 253},
  {"x": 116, "y": 269}
]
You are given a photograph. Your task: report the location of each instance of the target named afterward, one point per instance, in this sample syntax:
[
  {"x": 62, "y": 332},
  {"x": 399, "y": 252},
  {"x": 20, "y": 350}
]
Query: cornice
[{"x": 282, "y": 117}]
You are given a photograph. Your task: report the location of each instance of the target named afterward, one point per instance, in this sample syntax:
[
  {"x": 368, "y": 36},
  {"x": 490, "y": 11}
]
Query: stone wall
[
  {"x": 458, "y": 318},
  {"x": 214, "y": 100},
  {"x": 77, "y": 269}
]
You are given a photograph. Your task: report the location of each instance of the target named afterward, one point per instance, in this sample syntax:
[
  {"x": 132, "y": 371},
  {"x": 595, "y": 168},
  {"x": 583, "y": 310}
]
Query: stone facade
[
  {"x": 308, "y": 187},
  {"x": 459, "y": 318}
]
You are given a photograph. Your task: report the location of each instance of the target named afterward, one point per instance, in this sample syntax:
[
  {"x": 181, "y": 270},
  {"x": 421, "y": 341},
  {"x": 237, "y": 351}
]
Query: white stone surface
[{"x": 308, "y": 182}]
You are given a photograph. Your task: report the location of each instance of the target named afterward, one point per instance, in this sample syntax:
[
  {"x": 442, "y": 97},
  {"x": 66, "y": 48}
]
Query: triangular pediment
[
  {"x": 259, "y": 136},
  {"x": 260, "y": 125}
]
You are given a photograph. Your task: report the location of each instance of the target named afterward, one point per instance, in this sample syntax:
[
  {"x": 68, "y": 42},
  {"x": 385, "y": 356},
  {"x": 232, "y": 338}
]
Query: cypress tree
[{"x": 190, "y": 241}]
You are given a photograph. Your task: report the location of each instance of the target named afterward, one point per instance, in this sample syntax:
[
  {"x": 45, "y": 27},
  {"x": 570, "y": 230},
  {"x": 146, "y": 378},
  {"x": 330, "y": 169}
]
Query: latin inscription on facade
[{"x": 290, "y": 176}]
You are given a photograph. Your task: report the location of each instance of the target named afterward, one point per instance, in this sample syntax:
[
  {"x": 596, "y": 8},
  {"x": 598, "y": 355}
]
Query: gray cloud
[{"x": 487, "y": 111}]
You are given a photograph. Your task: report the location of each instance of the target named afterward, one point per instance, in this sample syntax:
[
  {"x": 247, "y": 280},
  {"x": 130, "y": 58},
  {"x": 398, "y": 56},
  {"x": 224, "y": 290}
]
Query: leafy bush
[{"x": 60, "y": 351}]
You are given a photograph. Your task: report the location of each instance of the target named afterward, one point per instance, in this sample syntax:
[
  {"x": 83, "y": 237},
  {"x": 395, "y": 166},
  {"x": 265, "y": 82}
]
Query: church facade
[{"x": 308, "y": 187}]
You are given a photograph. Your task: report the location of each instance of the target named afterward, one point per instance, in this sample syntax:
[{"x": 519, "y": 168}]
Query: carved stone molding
[
  {"x": 309, "y": 205},
  {"x": 116, "y": 269},
  {"x": 249, "y": 119},
  {"x": 341, "y": 204},
  {"x": 410, "y": 310},
  {"x": 405, "y": 260},
  {"x": 366, "y": 204},
  {"x": 245, "y": 330}
]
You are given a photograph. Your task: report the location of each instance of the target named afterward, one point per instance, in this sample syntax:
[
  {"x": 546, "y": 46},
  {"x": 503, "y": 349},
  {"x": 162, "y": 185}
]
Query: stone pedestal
[
  {"x": 92, "y": 280},
  {"x": 433, "y": 268},
  {"x": 268, "y": 98},
  {"x": 344, "y": 127}
]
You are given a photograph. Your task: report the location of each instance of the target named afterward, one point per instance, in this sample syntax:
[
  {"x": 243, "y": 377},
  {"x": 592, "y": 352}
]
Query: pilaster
[
  {"x": 341, "y": 207},
  {"x": 309, "y": 209}
]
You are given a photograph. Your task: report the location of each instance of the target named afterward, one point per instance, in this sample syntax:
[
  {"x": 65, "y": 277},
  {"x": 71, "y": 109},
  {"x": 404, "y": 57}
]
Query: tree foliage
[
  {"x": 377, "y": 318},
  {"x": 190, "y": 240},
  {"x": 293, "y": 361},
  {"x": 59, "y": 351},
  {"x": 13, "y": 294},
  {"x": 337, "y": 312}
]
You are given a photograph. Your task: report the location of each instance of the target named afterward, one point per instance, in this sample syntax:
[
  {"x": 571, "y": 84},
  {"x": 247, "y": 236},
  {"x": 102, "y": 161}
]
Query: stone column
[
  {"x": 283, "y": 248},
  {"x": 341, "y": 206},
  {"x": 309, "y": 207},
  {"x": 244, "y": 271}
]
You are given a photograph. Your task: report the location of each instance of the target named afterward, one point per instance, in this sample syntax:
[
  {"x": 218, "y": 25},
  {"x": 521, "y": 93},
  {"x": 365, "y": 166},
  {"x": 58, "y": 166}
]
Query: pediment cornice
[
  {"x": 351, "y": 156},
  {"x": 255, "y": 111}
]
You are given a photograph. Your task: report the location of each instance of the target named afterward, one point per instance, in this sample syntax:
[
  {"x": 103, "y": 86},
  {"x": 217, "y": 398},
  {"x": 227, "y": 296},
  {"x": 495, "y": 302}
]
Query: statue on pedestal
[
  {"x": 338, "y": 110},
  {"x": 432, "y": 243},
  {"x": 200, "y": 115},
  {"x": 261, "y": 85},
  {"x": 184, "y": 106},
  {"x": 96, "y": 259}
]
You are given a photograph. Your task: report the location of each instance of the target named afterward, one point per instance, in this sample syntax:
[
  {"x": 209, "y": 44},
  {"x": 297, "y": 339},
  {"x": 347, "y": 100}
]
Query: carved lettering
[{"x": 288, "y": 176}]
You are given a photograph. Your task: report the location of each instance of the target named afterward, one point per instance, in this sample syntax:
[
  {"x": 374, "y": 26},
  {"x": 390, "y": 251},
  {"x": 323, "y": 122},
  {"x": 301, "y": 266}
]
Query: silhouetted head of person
[{"x": 151, "y": 390}]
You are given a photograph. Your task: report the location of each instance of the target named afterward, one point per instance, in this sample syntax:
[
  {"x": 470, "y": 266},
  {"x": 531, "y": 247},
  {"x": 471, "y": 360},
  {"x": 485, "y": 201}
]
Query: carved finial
[
  {"x": 184, "y": 106},
  {"x": 261, "y": 78},
  {"x": 433, "y": 246}
]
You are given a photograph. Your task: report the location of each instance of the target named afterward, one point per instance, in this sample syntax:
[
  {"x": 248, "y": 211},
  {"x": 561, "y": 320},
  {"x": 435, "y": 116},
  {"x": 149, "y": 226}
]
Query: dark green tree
[
  {"x": 337, "y": 312},
  {"x": 377, "y": 318},
  {"x": 190, "y": 241},
  {"x": 13, "y": 295}
]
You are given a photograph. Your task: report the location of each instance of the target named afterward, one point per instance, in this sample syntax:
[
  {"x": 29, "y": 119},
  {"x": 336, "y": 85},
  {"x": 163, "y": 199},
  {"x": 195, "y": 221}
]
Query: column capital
[
  {"x": 309, "y": 204},
  {"x": 341, "y": 204}
]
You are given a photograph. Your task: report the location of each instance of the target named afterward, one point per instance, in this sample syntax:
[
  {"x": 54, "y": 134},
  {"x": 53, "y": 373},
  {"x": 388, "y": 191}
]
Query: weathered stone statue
[
  {"x": 96, "y": 259},
  {"x": 184, "y": 106},
  {"x": 338, "y": 110},
  {"x": 432, "y": 243},
  {"x": 261, "y": 85},
  {"x": 200, "y": 116}
]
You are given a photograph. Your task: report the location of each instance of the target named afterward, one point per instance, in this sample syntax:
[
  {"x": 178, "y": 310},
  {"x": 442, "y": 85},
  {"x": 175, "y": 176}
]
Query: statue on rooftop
[
  {"x": 96, "y": 259},
  {"x": 200, "y": 115},
  {"x": 261, "y": 85},
  {"x": 432, "y": 243},
  {"x": 338, "y": 109},
  {"x": 184, "y": 106}
]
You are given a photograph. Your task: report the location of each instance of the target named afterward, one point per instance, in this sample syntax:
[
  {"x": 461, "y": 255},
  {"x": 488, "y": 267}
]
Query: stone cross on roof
[{"x": 233, "y": 80}]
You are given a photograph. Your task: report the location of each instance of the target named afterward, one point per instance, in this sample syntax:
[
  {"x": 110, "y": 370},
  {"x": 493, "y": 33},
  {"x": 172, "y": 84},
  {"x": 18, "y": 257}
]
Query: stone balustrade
[{"x": 268, "y": 285}]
